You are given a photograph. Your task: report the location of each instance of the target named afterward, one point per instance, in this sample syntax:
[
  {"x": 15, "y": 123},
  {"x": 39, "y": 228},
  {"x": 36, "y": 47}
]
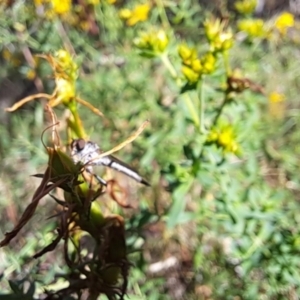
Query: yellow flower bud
[
  {"x": 225, "y": 137},
  {"x": 190, "y": 74},
  {"x": 208, "y": 63},
  {"x": 213, "y": 28},
  {"x": 65, "y": 90},
  {"x": 138, "y": 14},
  {"x": 245, "y": 6},
  {"x": 277, "y": 105},
  {"x": 184, "y": 52},
  {"x": 284, "y": 21},
  {"x": 226, "y": 39},
  {"x": 61, "y": 6},
  {"x": 212, "y": 136},
  {"x": 254, "y": 28},
  {"x": 196, "y": 65},
  {"x": 162, "y": 40},
  {"x": 152, "y": 43},
  {"x": 187, "y": 54},
  {"x": 125, "y": 13},
  {"x": 219, "y": 39},
  {"x": 233, "y": 147},
  {"x": 66, "y": 64}
]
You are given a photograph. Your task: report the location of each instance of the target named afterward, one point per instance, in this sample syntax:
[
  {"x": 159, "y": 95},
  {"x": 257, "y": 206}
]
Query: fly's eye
[{"x": 80, "y": 144}]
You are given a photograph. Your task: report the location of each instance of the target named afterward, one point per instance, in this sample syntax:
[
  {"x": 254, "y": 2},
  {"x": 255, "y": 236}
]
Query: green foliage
[{"x": 221, "y": 152}]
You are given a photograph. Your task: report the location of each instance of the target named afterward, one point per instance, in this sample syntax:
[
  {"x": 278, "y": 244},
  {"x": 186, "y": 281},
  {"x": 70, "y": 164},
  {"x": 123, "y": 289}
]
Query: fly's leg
[{"x": 98, "y": 178}]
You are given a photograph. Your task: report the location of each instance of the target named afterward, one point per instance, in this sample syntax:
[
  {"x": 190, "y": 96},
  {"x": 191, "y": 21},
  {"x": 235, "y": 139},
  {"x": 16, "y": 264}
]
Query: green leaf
[{"x": 178, "y": 205}]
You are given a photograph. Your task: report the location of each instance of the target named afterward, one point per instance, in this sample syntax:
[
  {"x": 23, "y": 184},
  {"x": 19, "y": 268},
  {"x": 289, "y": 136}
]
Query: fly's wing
[{"x": 118, "y": 165}]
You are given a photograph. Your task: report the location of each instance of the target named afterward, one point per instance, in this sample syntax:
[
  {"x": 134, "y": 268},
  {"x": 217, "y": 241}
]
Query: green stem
[
  {"x": 202, "y": 105},
  {"x": 76, "y": 123},
  {"x": 162, "y": 13},
  {"x": 219, "y": 112},
  {"x": 226, "y": 63},
  {"x": 192, "y": 110},
  {"x": 165, "y": 59},
  {"x": 187, "y": 98}
]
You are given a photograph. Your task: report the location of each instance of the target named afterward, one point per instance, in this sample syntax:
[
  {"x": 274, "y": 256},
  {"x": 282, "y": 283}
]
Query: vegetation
[{"x": 203, "y": 104}]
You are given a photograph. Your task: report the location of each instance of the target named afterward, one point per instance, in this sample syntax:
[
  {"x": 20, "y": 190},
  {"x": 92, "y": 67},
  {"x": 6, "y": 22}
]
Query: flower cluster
[
  {"x": 138, "y": 14},
  {"x": 194, "y": 67},
  {"x": 220, "y": 40},
  {"x": 152, "y": 43},
  {"x": 224, "y": 137},
  {"x": 80, "y": 15},
  {"x": 283, "y": 22},
  {"x": 245, "y": 7},
  {"x": 54, "y": 7},
  {"x": 254, "y": 28},
  {"x": 277, "y": 105},
  {"x": 218, "y": 37},
  {"x": 66, "y": 72},
  {"x": 258, "y": 28}
]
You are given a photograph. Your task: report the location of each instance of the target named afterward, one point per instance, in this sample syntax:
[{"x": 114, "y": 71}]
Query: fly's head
[{"x": 84, "y": 151}]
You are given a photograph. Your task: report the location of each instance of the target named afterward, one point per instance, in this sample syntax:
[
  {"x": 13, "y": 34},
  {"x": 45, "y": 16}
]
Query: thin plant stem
[
  {"x": 226, "y": 63},
  {"x": 202, "y": 105},
  {"x": 162, "y": 13},
  {"x": 192, "y": 110},
  {"x": 165, "y": 59},
  {"x": 76, "y": 121},
  {"x": 187, "y": 99},
  {"x": 219, "y": 112}
]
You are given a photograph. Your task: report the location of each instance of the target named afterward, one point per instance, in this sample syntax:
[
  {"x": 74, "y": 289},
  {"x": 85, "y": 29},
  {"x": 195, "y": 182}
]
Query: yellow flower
[
  {"x": 208, "y": 62},
  {"x": 65, "y": 64},
  {"x": 212, "y": 136},
  {"x": 222, "y": 42},
  {"x": 162, "y": 40},
  {"x": 245, "y": 6},
  {"x": 197, "y": 65},
  {"x": 224, "y": 137},
  {"x": 275, "y": 97},
  {"x": 30, "y": 74},
  {"x": 61, "y": 6},
  {"x": 253, "y": 28},
  {"x": 187, "y": 54},
  {"x": 277, "y": 105},
  {"x": 138, "y": 14},
  {"x": 190, "y": 74},
  {"x": 193, "y": 66},
  {"x": 219, "y": 38},
  {"x": 213, "y": 28},
  {"x": 65, "y": 90},
  {"x": 283, "y": 22},
  {"x": 152, "y": 43},
  {"x": 125, "y": 13}
]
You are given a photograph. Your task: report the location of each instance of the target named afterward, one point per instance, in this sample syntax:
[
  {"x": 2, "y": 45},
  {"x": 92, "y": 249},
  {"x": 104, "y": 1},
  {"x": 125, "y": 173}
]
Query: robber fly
[{"x": 87, "y": 153}]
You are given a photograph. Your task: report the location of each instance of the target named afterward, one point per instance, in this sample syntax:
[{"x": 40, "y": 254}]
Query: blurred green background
[{"x": 215, "y": 223}]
